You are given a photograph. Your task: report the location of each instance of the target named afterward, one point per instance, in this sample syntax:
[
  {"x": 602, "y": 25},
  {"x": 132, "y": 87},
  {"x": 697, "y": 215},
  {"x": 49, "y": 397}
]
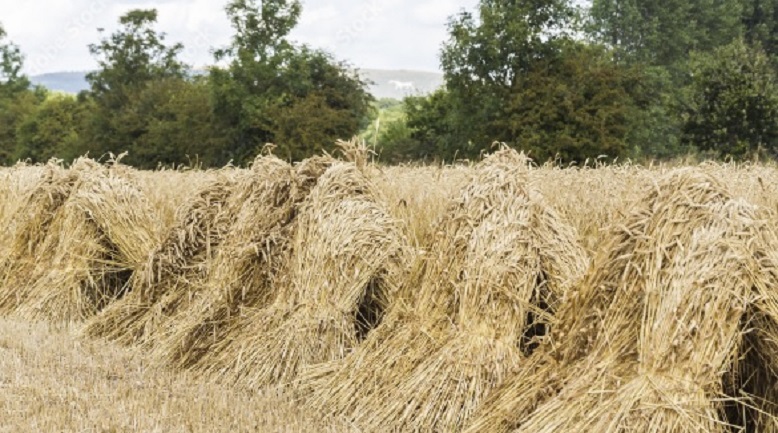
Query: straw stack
[
  {"x": 103, "y": 233},
  {"x": 247, "y": 265},
  {"x": 172, "y": 265},
  {"x": 484, "y": 296},
  {"x": 654, "y": 333},
  {"x": 345, "y": 258},
  {"x": 28, "y": 225}
]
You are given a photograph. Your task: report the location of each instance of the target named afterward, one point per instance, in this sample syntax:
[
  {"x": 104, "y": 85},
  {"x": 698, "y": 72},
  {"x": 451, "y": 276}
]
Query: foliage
[
  {"x": 732, "y": 102},
  {"x": 664, "y": 33},
  {"x": 179, "y": 124},
  {"x": 382, "y": 111},
  {"x": 260, "y": 30},
  {"x": 573, "y": 107},
  {"x": 132, "y": 57},
  {"x": 760, "y": 21},
  {"x": 655, "y": 125},
  {"x": 629, "y": 78},
  {"x": 432, "y": 122},
  {"x": 486, "y": 56},
  {"x": 504, "y": 41},
  {"x": 388, "y": 132},
  {"x": 17, "y": 100},
  {"x": 396, "y": 143},
  {"x": 130, "y": 60},
  {"x": 657, "y": 38},
  {"x": 14, "y": 110},
  {"x": 52, "y": 130},
  {"x": 516, "y": 75},
  {"x": 11, "y": 61},
  {"x": 296, "y": 97}
]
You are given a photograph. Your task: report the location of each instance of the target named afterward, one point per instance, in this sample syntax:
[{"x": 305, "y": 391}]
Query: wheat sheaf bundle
[
  {"x": 27, "y": 228},
  {"x": 104, "y": 233},
  {"x": 486, "y": 292},
  {"x": 653, "y": 339},
  {"x": 269, "y": 178},
  {"x": 171, "y": 279},
  {"x": 94, "y": 228},
  {"x": 15, "y": 184},
  {"x": 176, "y": 261},
  {"x": 345, "y": 258},
  {"x": 244, "y": 272}
]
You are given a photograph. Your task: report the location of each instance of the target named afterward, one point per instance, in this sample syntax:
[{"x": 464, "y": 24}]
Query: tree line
[
  {"x": 145, "y": 101},
  {"x": 620, "y": 78}
]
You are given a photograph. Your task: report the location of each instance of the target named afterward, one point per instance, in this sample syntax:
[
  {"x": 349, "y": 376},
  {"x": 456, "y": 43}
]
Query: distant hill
[
  {"x": 68, "y": 82},
  {"x": 398, "y": 84},
  {"x": 395, "y": 84}
]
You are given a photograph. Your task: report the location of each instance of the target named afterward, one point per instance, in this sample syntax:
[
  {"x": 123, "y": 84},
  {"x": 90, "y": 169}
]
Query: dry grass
[
  {"x": 346, "y": 253},
  {"x": 651, "y": 340},
  {"x": 247, "y": 264},
  {"x": 395, "y": 298},
  {"x": 51, "y": 381},
  {"x": 482, "y": 295},
  {"x": 201, "y": 224},
  {"x": 79, "y": 234}
]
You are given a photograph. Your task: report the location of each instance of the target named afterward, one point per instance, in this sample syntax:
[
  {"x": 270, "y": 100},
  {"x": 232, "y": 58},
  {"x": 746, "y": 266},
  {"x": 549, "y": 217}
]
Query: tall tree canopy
[
  {"x": 51, "y": 130},
  {"x": 485, "y": 55},
  {"x": 261, "y": 30},
  {"x": 760, "y": 21},
  {"x": 663, "y": 33},
  {"x": 131, "y": 57},
  {"x": 732, "y": 106},
  {"x": 515, "y": 73},
  {"x": 637, "y": 78},
  {"x": 273, "y": 91},
  {"x": 12, "y": 79},
  {"x": 130, "y": 60},
  {"x": 17, "y": 100}
]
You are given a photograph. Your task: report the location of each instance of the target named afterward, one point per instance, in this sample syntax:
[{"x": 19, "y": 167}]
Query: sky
[{"x": 382, "y": 34}]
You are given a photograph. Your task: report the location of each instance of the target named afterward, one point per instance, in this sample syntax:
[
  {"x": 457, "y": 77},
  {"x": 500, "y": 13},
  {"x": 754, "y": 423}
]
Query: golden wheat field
[{"x": 339, "y": 295}]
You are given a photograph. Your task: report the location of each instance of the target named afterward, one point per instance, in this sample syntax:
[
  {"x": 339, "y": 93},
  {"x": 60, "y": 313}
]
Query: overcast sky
[{"x": 384, "y": 34}]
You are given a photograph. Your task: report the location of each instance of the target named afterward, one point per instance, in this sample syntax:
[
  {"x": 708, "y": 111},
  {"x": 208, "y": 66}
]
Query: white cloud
[
  {"x": 436, "y": 12},
  {"x": 369, "y": 33}
]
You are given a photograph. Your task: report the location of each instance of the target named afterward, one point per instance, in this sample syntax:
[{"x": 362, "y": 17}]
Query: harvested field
[
  {"x": 52, "y": 381},
  {"x": 339, "y": 295}
]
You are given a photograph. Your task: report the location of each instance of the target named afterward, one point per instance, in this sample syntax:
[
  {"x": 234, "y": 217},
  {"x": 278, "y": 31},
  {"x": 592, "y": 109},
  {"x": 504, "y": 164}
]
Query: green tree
[
  {"x": 515, "y": 74},
  {"x": 14, "y": 110},
  {"x": 396, "y": 143},
  {"x": 655, "y": 126},
  {"x": 760, "y": 20},
  {"x": 663, "y": 33},
  {"x": 17, "y": 100},
  {"x": 486, "y": 55},
  {"x": 657, "y": 37},
  {"x": 51, "y": 131},
  {"x": 389, "y": 133},
  {"x": 433, "y": 124},
  {"x": 574, "y": 106},
  {"x": 732, "y": 102},
  {"x": 261, "y": 30},
  {"x": 12, "y": 80},
  {"x": 179, "y": 123},
  {"x": 257, "y": 55},
  {"x": 273, "y": 91},
  {"x": 323, "y": 101},
  {"x": 129, "y": 60}
]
